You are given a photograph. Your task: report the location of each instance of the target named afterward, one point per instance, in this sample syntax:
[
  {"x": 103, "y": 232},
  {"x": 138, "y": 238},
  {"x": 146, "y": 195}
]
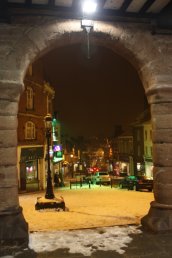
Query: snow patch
[{"x": 85, "y": 241}]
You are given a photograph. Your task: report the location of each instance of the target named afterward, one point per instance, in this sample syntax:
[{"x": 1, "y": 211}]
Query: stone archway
[{"x": 23, "y": 42}]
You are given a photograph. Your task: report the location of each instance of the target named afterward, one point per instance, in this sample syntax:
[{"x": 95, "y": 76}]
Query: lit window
[
  {"x": 30, "y": 130},
  {"x": 29, "y": 101}
]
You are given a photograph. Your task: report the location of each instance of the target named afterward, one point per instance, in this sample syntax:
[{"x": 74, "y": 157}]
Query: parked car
[
  {"x": 144, "y": 183},
  {"x": 137, "y": 182},
  {"x": 101, "y": 177},
  {"x": 128, "y": 182}
]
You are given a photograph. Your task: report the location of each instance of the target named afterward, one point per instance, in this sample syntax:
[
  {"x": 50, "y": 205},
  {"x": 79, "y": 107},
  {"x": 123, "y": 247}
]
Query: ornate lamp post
[
  {"x": 48, "y": 127},
  {"x": 49, "y": 201}
]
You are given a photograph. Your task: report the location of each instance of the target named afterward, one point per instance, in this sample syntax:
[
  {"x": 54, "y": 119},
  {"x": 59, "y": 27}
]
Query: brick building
[{"x": 35, "y": 102}]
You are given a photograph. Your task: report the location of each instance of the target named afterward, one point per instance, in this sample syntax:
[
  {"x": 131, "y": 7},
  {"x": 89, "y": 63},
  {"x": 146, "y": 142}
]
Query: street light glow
[{"x": 89, "y": 7}]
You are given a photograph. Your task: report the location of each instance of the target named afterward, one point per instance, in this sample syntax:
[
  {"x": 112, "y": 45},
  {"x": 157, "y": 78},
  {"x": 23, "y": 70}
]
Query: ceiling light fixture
[{"x": 89, "y": 7}]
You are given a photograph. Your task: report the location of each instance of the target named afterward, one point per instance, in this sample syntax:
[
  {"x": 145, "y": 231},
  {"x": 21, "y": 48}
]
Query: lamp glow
[{"x": 89, "y": 7}]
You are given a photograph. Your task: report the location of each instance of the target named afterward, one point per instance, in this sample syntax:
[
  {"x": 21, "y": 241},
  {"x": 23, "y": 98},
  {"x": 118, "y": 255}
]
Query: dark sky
[{"x": 93, "y": 95}]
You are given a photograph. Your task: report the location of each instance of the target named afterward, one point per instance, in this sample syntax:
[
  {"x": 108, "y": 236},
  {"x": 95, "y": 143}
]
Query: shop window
[
  {"x": 29, "y": 101},
  {"x": 30, "y": 132},
  {"x": 31, "y": 171}
]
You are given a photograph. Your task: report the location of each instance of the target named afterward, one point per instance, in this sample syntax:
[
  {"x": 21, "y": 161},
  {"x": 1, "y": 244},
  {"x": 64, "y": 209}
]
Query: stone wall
[{"x": 25, "y": 40}]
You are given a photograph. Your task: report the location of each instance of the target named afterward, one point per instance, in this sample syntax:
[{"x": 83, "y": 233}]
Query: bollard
[{"x": 89, "y": 183}]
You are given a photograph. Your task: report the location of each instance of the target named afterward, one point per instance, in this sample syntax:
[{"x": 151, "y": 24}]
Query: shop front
[{"x": 31, "y": 169}]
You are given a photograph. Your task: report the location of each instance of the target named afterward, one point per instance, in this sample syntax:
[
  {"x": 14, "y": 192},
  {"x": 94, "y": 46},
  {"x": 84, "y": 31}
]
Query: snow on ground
[
  {"x": 88, "y": 208},
  {"x": 94, "y": 220},
  {"x": 85, "y": 241}
]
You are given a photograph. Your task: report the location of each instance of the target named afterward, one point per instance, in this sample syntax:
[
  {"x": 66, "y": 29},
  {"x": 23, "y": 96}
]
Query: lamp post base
[
  {"x": 49, "y": 196},
  {"x": 55, "y": 203}
]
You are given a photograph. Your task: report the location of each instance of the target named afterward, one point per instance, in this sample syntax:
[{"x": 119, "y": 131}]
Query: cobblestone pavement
[{"x": 144, "y": 245}]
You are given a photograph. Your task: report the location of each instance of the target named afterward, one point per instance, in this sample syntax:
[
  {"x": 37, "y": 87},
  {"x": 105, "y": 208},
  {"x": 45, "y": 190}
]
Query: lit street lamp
[
  {"x": 48, "y": 127},
  {"x": 88, "y": 8},
  {"x": 50, "y": 201}
]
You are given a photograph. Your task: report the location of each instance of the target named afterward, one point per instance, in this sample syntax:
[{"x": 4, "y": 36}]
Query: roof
[
  {"x": 156, "y": 12},
  {"x": 144, "y": 117}
]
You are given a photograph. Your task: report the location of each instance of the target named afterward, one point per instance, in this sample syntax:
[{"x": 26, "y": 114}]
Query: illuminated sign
[
  {"x": 57, "y": 153},
  {"x": 57, "y": 148}
]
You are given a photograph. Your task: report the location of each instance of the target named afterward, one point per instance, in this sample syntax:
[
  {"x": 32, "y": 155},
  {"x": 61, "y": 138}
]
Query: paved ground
[{"x": 143, "y": 245}]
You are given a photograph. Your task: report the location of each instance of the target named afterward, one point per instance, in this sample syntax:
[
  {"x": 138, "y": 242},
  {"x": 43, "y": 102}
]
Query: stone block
[
  {"x": 161, "y": 108},
  {"x": 8, "y": 156},
  {"x": 8, "y": 176},
  {"x": 162, "y": 136},
  {"x": 8, "y": 138},
  {"x": 8, "y": 197},
  {"x": 8, "y": 107},
  {"x": 162, "y": 155},
  {"x": 8, "y": 122},
  {"x": 163, "y": 121}
]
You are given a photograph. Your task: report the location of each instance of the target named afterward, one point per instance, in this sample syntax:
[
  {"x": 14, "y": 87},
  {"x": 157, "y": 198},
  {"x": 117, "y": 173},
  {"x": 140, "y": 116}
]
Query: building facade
[
  {"x": 142, "y": 143},
  {"x": 148, "y": 150},
  {"x": 138, "y": 150},
  {"x": 124, "y": 164},
  {"x": 34, "y": 104}
]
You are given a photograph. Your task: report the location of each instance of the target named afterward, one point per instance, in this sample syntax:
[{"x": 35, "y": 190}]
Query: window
[
  {"x": 31, "y": 171},
  {"x": 29, "y": 101},
  {"x": 30, "y": 130}
]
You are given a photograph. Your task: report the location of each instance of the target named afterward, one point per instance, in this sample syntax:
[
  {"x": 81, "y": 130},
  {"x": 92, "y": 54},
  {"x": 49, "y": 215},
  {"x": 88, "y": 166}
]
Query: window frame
[{"x": 30, "y": 131}]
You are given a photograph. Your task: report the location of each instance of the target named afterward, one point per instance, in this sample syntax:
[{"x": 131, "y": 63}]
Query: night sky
[{"x": 93, "y": 95}]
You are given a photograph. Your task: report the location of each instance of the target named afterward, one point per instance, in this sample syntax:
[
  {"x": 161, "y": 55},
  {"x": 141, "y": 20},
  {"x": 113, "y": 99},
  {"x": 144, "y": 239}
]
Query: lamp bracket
[{"x": 87, "y": 24}]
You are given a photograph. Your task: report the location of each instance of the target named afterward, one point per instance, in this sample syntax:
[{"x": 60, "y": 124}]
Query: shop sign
[{"x": 31, "y": 153}]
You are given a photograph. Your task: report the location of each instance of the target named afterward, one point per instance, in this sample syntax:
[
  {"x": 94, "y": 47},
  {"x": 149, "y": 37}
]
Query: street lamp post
[
  {"x": 48, "y": 126},
  {"x": 49, "y": 201}
]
